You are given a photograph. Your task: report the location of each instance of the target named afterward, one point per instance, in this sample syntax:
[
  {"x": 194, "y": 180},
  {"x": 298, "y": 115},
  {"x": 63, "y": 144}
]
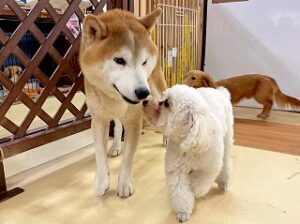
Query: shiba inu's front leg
[
  {"x": 100, "y": 134},
  {"x": 115, "y": 149},
  {"x": 132, "y": 135}
]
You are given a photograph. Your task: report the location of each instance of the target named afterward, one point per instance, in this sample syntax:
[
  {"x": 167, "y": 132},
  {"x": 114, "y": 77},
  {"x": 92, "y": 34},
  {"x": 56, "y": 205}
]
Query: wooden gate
[{"x": 53, "y": 60}]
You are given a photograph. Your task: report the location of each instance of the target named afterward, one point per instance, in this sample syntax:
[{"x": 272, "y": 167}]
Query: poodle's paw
[
  {"x": 263, "y": 116},
  {"x": 223, "y": 186},
  {"x": 101, "y": 184},
  {"x": 165, "y": 141},
  {"x": 125, "y": 189},
  {"x": 182, "y": 216},
  {"x": 114, "y": 151}
]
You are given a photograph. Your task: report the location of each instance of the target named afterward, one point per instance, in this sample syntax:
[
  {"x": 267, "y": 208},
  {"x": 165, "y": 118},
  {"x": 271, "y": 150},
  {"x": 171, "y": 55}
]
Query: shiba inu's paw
[
  {"x": 182, "y": 216},
  {"x": 114, "y": 151},
  {"x": 125, "y": 189},
  {"x": 101, "y": 184}
]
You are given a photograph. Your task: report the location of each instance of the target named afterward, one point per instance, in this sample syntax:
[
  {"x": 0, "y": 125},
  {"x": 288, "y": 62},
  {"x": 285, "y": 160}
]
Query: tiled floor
[{"x": 265, "y": 189}]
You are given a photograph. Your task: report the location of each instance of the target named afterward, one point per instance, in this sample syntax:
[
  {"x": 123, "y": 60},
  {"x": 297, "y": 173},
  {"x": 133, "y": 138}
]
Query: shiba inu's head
[{"x": 117, "y": 55}]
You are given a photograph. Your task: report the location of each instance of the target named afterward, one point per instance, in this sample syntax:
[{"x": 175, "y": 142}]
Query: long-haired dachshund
[{"x": 262, "y": 88}]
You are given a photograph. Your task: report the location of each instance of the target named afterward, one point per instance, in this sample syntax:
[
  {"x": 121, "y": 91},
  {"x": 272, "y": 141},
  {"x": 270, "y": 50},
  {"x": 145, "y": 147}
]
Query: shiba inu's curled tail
[{"x": 284, "y": 100}]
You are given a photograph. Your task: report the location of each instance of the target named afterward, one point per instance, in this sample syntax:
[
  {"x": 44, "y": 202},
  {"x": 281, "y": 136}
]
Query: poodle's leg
[
  {"x": 224, "y": 176},
  {"x": 115, "y": 149},
  {"x": 201, "y": 182},
  {"x": 165, "y": 141},
  {"x": 100, "y": 134},
  {"x": 181, "y": 196},
  {"x": 132, "y": 136}
]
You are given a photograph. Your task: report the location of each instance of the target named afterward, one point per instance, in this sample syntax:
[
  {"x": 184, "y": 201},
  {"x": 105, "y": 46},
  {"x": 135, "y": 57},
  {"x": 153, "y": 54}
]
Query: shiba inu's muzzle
[{"x": 141, "y": 93}]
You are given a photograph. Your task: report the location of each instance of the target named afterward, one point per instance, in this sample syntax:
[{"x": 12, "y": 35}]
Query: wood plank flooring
[{"x": 284, "y": 138}]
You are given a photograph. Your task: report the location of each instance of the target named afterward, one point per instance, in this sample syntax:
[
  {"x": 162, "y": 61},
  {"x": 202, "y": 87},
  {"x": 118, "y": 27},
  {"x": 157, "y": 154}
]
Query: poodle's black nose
[
  {"x": 145, "y": 102},
  {"x": 141, "y": 93}
]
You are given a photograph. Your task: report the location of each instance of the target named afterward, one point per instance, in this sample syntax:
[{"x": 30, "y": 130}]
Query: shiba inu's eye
[
  {"x": 145, "y": 62},
  {"x": 120, "y": 61},
  {"x": 193, "y": 78}
]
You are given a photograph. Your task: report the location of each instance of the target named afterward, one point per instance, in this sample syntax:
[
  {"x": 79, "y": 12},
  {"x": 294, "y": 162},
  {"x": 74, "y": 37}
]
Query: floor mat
[{"x": 264, "y": 189}]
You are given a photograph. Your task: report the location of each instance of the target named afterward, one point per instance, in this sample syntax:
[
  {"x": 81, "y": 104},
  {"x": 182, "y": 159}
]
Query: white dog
[{"x": 199, "y": 126}]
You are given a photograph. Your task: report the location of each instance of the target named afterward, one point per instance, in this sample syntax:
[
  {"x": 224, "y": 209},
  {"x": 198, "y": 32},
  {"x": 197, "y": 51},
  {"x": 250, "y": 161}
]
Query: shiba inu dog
[{"x": 121, "y": 68}]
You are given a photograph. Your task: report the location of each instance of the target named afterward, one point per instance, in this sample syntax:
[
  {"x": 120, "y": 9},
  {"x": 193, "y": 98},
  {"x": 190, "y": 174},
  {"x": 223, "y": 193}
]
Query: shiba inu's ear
[
  {"x": 150, "y": 20},
  {"x": 93, "y": 28}
]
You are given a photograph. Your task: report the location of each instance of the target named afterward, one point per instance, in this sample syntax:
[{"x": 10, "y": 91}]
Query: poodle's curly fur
[{"x": 199, "y": 126}]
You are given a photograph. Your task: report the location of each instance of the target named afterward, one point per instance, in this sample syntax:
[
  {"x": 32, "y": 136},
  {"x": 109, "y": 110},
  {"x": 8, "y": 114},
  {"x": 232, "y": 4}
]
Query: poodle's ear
[
  {"x": 207, "y": 81},
  {"x": 197, "y": 138}
]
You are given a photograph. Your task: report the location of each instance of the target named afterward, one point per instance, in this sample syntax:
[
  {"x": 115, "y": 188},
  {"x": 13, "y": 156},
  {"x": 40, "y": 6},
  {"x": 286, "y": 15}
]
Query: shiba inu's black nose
[
  {"x": 141, "y": 93},
  {"x": 145, "y": 102}
]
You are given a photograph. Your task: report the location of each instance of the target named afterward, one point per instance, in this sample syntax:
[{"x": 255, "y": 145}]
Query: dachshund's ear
[
  {"x": 207, "y": 81},
  {"x": 198, "y": 137}
]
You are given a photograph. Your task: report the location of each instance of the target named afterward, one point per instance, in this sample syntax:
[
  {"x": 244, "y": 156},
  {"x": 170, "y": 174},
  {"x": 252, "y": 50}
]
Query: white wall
[{"x": 258, "y": 36}]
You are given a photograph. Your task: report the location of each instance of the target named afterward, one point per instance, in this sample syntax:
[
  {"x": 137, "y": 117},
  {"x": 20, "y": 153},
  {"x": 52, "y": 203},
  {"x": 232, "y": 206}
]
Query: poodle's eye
[
  {"x": 120, "y": 61},
  {"x": 145, "y": 62},
  {"x": 161, "y": 103},
  {"x": 193, "y": 78},
  {"x": 166, "y": 103}
]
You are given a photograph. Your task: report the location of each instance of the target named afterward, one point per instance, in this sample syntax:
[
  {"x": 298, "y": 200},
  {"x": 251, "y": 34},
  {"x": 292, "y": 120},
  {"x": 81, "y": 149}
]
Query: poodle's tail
[
  {"x": 284, "y": 100},
  {"x": 224, "y": 177},
  {"x": 224, "y": 91}
]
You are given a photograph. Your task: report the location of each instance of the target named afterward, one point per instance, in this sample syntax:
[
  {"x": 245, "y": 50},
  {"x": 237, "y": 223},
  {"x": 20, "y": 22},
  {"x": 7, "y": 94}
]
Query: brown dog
[
  {"x": 262, "y": 88},
  {"x": 121, "y": 68},
  {"x": 13, "y": 73}
]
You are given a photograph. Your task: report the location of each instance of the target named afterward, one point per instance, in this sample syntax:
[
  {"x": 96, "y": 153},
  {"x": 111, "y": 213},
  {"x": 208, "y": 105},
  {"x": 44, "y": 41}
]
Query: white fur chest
[
  {"x": 186, "y": 162},
  {"x": 103, "y": 105}
]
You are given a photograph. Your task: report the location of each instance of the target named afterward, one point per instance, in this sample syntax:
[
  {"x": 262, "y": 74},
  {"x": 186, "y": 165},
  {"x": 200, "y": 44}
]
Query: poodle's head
[{"x": 182, "y": 114}]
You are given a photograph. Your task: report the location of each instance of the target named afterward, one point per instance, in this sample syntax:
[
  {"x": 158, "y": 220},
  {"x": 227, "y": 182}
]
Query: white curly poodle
[{"x": 199, "y": 126}]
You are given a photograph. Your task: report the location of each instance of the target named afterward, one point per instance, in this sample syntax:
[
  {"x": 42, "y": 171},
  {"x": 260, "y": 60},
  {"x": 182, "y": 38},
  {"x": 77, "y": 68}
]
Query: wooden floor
[
  {"x": 271, "y": 136},
  {"x": 279, "y": 133},
  {"x": 277, "y": 116}
]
